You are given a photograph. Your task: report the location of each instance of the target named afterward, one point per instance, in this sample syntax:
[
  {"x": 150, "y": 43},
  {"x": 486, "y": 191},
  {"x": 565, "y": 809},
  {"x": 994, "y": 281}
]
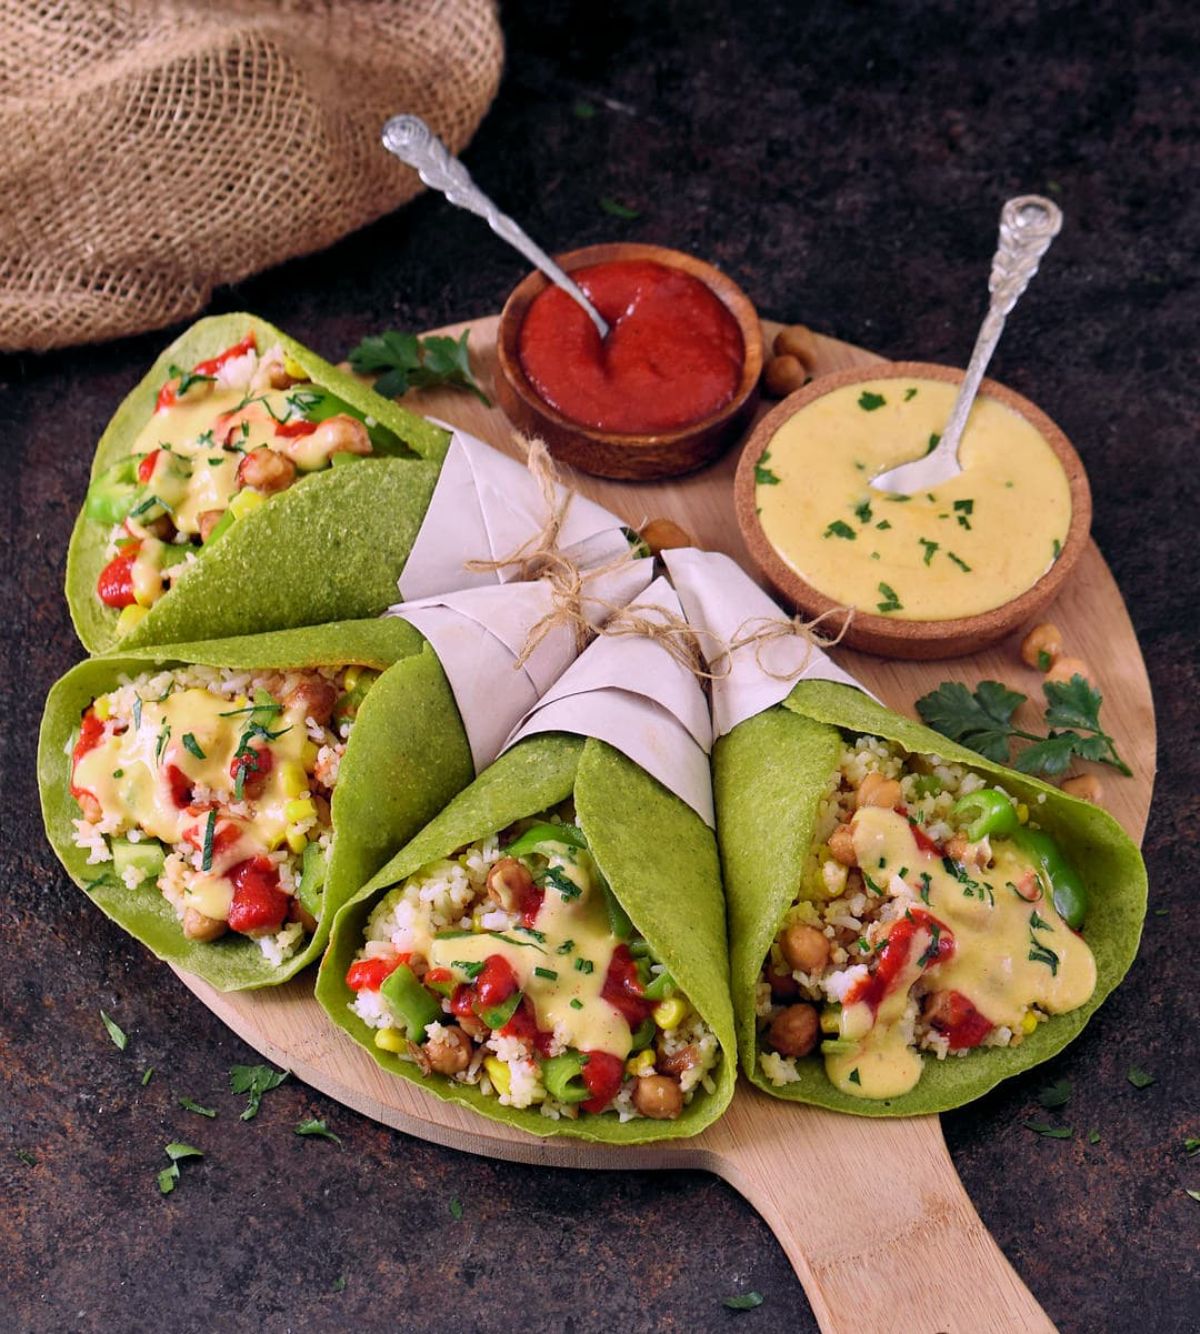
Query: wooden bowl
[
  {"x": 882, "y": 634},
  {"x": 611, "y": 454}
]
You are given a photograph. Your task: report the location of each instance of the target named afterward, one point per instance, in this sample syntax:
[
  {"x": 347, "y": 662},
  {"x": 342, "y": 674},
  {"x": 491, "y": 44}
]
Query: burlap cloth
[{"x": 149, "y": 152}]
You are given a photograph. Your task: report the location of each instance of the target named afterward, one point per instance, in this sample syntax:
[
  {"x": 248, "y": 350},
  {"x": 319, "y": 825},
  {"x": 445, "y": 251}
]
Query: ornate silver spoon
[
  {"x": 414, "y": 143},
  {"x": 1027, "y": 226}
]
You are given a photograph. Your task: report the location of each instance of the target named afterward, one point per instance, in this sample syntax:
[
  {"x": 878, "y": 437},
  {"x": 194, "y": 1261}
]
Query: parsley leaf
[
  {"x": 403, "y": 362},
  {"x": 763, "y": 476},
  {"x": 1139, "y": 1078},
  {"x": 839, "y": 528},
  {"x": 980, "y": 719},
  {"x": 170, "y": 1175},
  {"x": 615, "y": 209},
  {"x": 189, "y": 1105},
  {"x": 746, "y": 1301},
  {"x": 891, "y": 602},
  {"x": 1049, "y": 1131},
  {"x": 456, "y": 1209},
  {"x": 1054, "y": 1095},
  {"x": 27, "y": 1158},
  {"x": 318, "y": 1128},
  {"x": 869, "y": 401},
  {"x": 254, "y": 1080},
  {"x": 120, "y": 1040}
]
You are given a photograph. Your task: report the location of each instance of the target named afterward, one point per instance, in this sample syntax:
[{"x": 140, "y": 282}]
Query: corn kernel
[
  {"x": 296, "y": 840},
  {"x": 293, "y": 368},
  {"x": 1022, "y": 813},
  {"x": 390, "y": 1039},
  {"x": 244, "y": 502},
  {"x": 308, "y": 756},
  {"x": 499, "y": 1074},
  {"x": 1029, "y": 1022},
  {"x": 301, "y": 808},
  {"x": 670, "y": 1014},
  {"x": 642, "y": 1063},
  {"x": 351, "y": 678},
  {"x": 129, "y": 617},
  {"x": 275, "y": 836},
  {"x": 293, "y": 779},
  {"x": 102, "y": 709},
  {"x": 831, "y": 1019}
]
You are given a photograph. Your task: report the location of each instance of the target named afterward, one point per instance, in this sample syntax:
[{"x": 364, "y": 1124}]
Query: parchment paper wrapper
[
  {"x": 484, "y": 507},
  {"x": 479, "y": 633},
  {"x": 722, "y": 603},
  {"x": 629, "y": 691}
]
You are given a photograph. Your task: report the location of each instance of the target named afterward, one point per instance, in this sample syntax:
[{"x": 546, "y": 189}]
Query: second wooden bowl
[
  {"x": 606, "y": 453},
  {"x": 885, "y": 635}
]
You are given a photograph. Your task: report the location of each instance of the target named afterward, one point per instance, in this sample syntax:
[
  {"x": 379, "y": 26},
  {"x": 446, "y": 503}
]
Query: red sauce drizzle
[
  {"x": 893, "y": 958},
  {"x": 623, "y": 988},
  {"x": 960, "y": 1021}
]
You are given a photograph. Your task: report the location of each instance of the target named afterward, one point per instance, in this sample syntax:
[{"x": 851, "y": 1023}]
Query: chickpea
[
  {"x": 784, "y": 375},
  {"x": 1044, "y": 639},
  {"x": 208, "y": 520},
  {"x": 804, "y": 947},
  {"x": 315, "y": 696},
  {"x": 266, "y": 470},
  {"x": 1087, "y": 787},
  {"x": 841, "y": 844},
  {"x": 473, "y": 1027},
  {"x": 162, "y": 528},
  {"x": 198, "y": 926},
  {"x": 677, "y": 1062},
  {"x": 664, "y": 534},
  {"x": 1065, "y": 668},
  {"x": 341, "y": 435},
  {"x": 657, "y": 1097},
  {"x": 960, "y": 850},
  {"x": 783, "y": 985},
  {"x": 876, "y": 790},
  {"x": 508, "y": 882},
  {"x": 798, "y": 341},
  {"x": 449, "y": 1053},
  {"x": 795, "y": 1031},
  {"x": 299, "y": 913}
]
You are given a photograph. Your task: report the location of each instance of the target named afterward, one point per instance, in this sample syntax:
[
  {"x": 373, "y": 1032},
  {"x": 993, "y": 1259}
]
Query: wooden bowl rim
[
  {"x": 722, "y": 286},
  {"x": 870, "y": 628}
]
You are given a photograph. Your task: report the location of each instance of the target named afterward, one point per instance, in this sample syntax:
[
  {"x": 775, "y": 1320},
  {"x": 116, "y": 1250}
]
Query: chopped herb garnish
[
  {"x": 338, "y": 1284},
  {"x": 962, "y": 564},
  {"x": 862, "y": 511},
  {"x": 871, "y": 885},
  {"x": 147, "y": 1075},
  {"x": 883, "y": 525},
  {"x": 137, "y": 712},
  {"x": 583, "y": 965},
  {"x": 163, "y": 737},
  {"x": 926, "y": 882},
  {"x": 187, "y": 379},
  {"x": 1037, "y": 923},
  {"x": 863, "y": 944},
  {"x": 615, "y": 209},
  {"x": 118, "y": 773},
  {"x": 1040, "y": 953},
  {"x": 254, "y": 1080},
  {"x": 746, "y": 1301},
  {"x": 930, "y": 548},
  {"x": 529, "y": 931},
  {"x": 456, "y": 1210},
  {"x": 891, "y": 602},
  {"x": 854, "y": 1079},
  {"x": 964, "y": 508},
  {"x": 1093, "y": 1137},
  {"x": 566, "y": 947},
  {"x": 548, "y": 973},
  {"x": 317, "y": 1128},
  {"x": 210, "y": 826},
  {"x": 189, "y": 1105},
  {"x": 408, "y": 362},
  {"x": 471, "y": 967},
  {"x": 910, "y": 394},
  {"x": 902, "y": 872},
  {"x": 192, "y": 746},
  {"x": 931, "y": 446},
  {"x": 253, "y": 708},
  {"x": 869, "y": 401},
  {"x": 899, "y": 500},
  {"x": 1054, "y": 1095},
  {"x": 1049, "y": 1131},
  {"x": 763, "y": 476},
  {"x": 119, "y": 1039},
  {"x": 576, "y": 1003},
  {"x": 931, "y": 951},
  {"x": 559, "y": 880},
  {"x": 1057, "y": 548},
  {"x": 27, "y": 1158},
  {"x": 170, "y": 1175},
  {"x": 839, "y": 528},
  {"x": 1139, "y": 1078}
]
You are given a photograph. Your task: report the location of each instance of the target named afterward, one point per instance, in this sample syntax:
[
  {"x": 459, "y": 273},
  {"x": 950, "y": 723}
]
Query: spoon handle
[
  {"x": 1027, "y": 226},
  {"x": 414, "y": 143}
]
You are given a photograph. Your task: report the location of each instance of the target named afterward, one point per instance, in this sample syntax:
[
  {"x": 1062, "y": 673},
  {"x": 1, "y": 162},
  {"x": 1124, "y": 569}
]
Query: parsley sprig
[
  {"x": 403, "y": 362},
  {"x": 982, "y": 720}
]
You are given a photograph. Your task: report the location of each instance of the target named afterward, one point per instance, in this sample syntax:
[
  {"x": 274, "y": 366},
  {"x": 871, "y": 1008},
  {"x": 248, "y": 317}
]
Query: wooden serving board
[{"x": 897, "y": 1191}]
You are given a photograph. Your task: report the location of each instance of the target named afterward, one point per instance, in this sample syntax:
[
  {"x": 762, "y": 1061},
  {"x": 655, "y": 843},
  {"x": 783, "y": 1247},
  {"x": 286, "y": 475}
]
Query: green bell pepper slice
[
  {"x": 535, "y": 838},
  {"x": 643, "y": 1035},
  {"x": 410, "y": 1001},
  {"x": 496, "y": 1016},
  {"x": 662, "y": 986},
  {"x": 110, "y": 497},
  {"x": 986, "y": 812},
  {"x": 563, "y": 1076},
  {"x": 1067, "y": 891},
  {"x": 310, "y": 890},
  {"x": 618, "y": 919}
]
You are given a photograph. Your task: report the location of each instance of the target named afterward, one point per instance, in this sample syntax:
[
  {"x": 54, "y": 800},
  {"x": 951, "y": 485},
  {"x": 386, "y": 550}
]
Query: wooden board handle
[{"x": 874, "y": 1219}]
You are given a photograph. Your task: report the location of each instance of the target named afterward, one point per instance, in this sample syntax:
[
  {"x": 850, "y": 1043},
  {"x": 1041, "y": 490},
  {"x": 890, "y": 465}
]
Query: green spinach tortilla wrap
[
  {"x": 550, "y": 951},
  {"x": 910, "y": 923},
  {"x": 221, "y": 800},
  {"x": 246, "y": 485}
]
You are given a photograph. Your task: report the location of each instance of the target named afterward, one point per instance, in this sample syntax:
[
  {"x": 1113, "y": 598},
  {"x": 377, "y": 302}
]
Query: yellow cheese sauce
[
  {"x": 972, "y": 544},
  {"x": 1008, "y": 956}
]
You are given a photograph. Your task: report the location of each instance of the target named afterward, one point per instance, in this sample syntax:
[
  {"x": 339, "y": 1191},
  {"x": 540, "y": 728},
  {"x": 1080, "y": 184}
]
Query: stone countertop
[{"x": 845, "y": 163}]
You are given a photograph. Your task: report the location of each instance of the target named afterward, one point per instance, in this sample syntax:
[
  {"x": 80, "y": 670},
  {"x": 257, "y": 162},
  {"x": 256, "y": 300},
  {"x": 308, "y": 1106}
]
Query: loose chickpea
[
  {"x": 1042, "y": 646},
  {"x": 508, "y": 882},
  {"x": 199, "y": 926},
  {"x": 657, "y": 1097},
  {"x": 1087, "y": 787},
  {"x": 316, "y": 696},
  {"x": 798, "y": 341},
  {"x": 784, "y": 375},
  {"x": 804, "y": 947},
  {"x": 876, "y": 790},
  {"x": 841, "y": 844},
  {"x": 208, "y": 521},
  {"x": 1065, "y": 668},
  {"x": 449, "y": 1053},
  {"x": 664, "y": 535},
  {"x": 266, "y": 470},
  {"x": 795, "y": 1031}
]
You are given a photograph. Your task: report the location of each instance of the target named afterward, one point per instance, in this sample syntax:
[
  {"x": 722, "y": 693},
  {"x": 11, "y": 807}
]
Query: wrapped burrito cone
[
  {"x": 550, "y": 950},
  {"x": 910, "y": 923}
]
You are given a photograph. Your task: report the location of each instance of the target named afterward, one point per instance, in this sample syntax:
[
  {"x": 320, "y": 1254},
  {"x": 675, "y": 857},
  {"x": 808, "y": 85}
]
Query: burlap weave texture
[{"x": 151, "y": 151}]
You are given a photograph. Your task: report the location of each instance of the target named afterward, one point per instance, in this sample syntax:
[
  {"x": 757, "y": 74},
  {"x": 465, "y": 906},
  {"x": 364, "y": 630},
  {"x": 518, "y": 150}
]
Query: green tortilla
[
  {"x": 769, "y": 773},
  {"x": 660, "y": 860},
  {"x": 330, "y": 547},
  {"x": 406, "y": 757}
]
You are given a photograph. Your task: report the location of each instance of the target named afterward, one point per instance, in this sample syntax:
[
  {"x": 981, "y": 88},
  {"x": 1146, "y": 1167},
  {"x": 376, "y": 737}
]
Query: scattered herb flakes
[
  {"x": 456, "y": 1209},
  {"x": 119, "y": 1038},
  {"x": 615, "y": 209},
  {"x": 147, "y": 1075},
  {"x": 539, "y": 936},
  {"x": 557, "y": 879},
  {"x": 1039, "y": 953},
  {"x": 210, "y": 826},
  {"x": 897, "y": 499},
  {"x": 177, "y": 1152},
  {"x": 963, "y": 511},
  {"x": 932, "y": 445},
  {"x": 1191, "y": 1146},
  {"x": 763, "y": 475},
  {"x": 926, "y": 883},
  {"x": 909, "y": 395},
  {"x": 582, "y": 109},
  {"x": 1037, "y": 923},
  {"x": 862, "y": 511},
  {"x": 1057, "y": 548},
  {"x": 869, "y": 401},
  {"x": 403, "y": 361},
  {"x": 190, "y": 1105},
  {"x": 566, "y": 947},
  {"x": 254, "y": 1080},
  {"x": 576, "y": 1003},
  {"x": 548, "y": 973},
  {"x": 338, "y": 1284},
  {"x": 1049, "y": 1131},
  {"x": 1093, "y": 1137},
  {"x": 890, "y": 601},
  {"x": 854, "y": 1076},
  {"x": 883, "y": 525},
  {"x": 1139, "y": 1078},
  {"x": 318, "y": 1128},
  {"x": 27, "y": 1157},
  {"x": 583, "y": 965},
  {"x": 192, "y": 746},
  {"x": 1054, "y": 1095},
  {"x": 746, "y": 1301},
  {"x": 958, "y": 560},
  {"x": 839, "y": 528},
  {"x": 930, "y": 548}
]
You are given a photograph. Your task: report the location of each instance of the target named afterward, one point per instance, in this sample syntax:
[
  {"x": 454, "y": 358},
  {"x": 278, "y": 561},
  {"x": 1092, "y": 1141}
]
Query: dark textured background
[{"x": 846, "y": 163}]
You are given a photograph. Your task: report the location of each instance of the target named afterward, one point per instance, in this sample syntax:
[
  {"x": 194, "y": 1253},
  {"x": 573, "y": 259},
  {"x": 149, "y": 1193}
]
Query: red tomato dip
[{"x": 673, "y": 354}]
